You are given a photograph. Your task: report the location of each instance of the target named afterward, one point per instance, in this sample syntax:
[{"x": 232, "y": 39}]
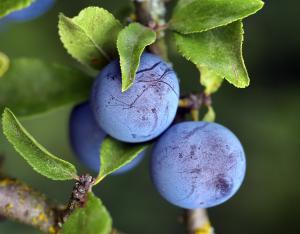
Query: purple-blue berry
[
  {"x": 142, "y": 112},
  {"x": 197, "y": 164},
  {"x": 86, "y": 138}
]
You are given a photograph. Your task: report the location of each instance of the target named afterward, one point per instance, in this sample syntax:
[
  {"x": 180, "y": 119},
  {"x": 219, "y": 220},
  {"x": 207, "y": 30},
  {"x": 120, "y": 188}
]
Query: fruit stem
[
  {"x": 193, "y": 102},
  {"x": 197, "y": 222}
]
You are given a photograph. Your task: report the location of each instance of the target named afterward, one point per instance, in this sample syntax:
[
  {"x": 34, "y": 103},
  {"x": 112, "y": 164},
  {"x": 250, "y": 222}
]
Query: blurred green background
[{"x": 265, "y": 116}]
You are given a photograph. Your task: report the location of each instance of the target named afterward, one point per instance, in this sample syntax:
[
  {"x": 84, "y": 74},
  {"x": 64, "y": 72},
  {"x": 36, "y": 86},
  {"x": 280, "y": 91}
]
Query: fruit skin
[
  {"x": 197, "y": 164},
  {"x": 142, "y": 112},
  {"x": 86, "y": 138},
  {"x": 35, "y": 10}
]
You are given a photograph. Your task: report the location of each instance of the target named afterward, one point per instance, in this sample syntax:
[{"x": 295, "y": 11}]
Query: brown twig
[
  {"x": 21, "y": 203},
  {"x": 79, "y": 194}
]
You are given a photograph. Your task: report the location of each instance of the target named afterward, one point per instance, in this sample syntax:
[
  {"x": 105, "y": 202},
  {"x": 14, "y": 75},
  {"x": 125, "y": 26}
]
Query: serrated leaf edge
[
  {"x": 224, "y": 77},
  {"x": 126, "y": 162},
  {"x": 220, "y": 25},
  {"x": 7, "y": 111},
  {"x": 19, "y": 7},
  {"x": 61, "y": 17},
  {"x": 101, "y": 176},
  {"x": 77, "y": 210},
  {"x": 124, "y": 88}
]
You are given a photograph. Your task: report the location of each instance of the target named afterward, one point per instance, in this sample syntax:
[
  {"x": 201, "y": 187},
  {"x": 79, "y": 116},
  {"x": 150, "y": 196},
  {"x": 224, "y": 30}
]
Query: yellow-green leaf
[
  {"x": 31, "y": 86},
  {"x": 218, "y": 52},
  {"x": 210, "y": 79},
  {"x": 93, "y": 218},
  {"x": 4, "y": 64},
  {"x": 131, "y": 43},
  {"x": 39, "y": 158},
  {"x": 115, "y": 154},
  {"x": 210, "y": 115},
  {"x": 91, "y": 36},
  {"x": 8, "y": 6},
  {"x": 191, "y": 16}
]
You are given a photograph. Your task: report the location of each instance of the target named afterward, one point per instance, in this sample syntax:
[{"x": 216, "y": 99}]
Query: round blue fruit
[
  {"x": 142, "y": 112},
  {"x": 35, "y": 10},
  {"x": 197, "y": 164},
  {"x": 86, "y": 138}
]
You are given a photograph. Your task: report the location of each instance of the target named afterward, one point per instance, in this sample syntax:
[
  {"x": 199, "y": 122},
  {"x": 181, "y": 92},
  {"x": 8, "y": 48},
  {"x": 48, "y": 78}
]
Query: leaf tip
[
  {"x": 5, "y": 113},
  {"x": 126, "y": 85},
  {"x": 262, "y": 3},
  {"x": 124, "y": 88},
  {"x": 61, "y": 17}
]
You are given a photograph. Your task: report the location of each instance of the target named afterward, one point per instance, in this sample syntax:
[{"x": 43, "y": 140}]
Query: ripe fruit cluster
[{"x": 193, "y": 164}]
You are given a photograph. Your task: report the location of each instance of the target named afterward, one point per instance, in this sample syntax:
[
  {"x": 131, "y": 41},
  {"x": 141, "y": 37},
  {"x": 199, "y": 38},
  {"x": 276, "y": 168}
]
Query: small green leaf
[
  {"x": 218, "y": 52},
  {"x": 192, "y": 16},
  {"x": 210, "y": 80},
  {"x": 210, "y": 115},
  {"x": 115, "y": 154},
  {"x": 93, "y": 218},
  {"x": 35, "y": 154},
  {"x": 9, "y": 6},
  {"x": 91, "y": 36},
  {"x": 31, "y": 86},
  {"x": 131, "y": 43},
  {"x": 4, "y": 64}
]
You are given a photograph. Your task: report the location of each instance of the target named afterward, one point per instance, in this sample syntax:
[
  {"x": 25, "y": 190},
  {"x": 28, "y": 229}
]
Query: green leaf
[
  {"x": 210, "y": 80},
  {"x": 4, "y": 64},
  {"x": 8, "y": 6},
  {"x": 91, "y": 36},
  {"x": 93, "y": 218},
  {"x": 115, "y": 154},
  {"x": 192, "y": 16},
  {"x": 217, "y": 52},
  {"x": 131, "y": 43},
  {"x": 210, "y": 115},
  {"x": 31, "y": 87},
  {"x": 35, "y": 154}
]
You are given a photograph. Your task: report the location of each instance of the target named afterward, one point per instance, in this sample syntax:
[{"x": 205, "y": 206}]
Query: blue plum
[
  {"x": 35, "y": 10},
  {"x": 86, "y": 138},
  {"x": 197, "y": 164},
  {"x": 142, "y": 112}
]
